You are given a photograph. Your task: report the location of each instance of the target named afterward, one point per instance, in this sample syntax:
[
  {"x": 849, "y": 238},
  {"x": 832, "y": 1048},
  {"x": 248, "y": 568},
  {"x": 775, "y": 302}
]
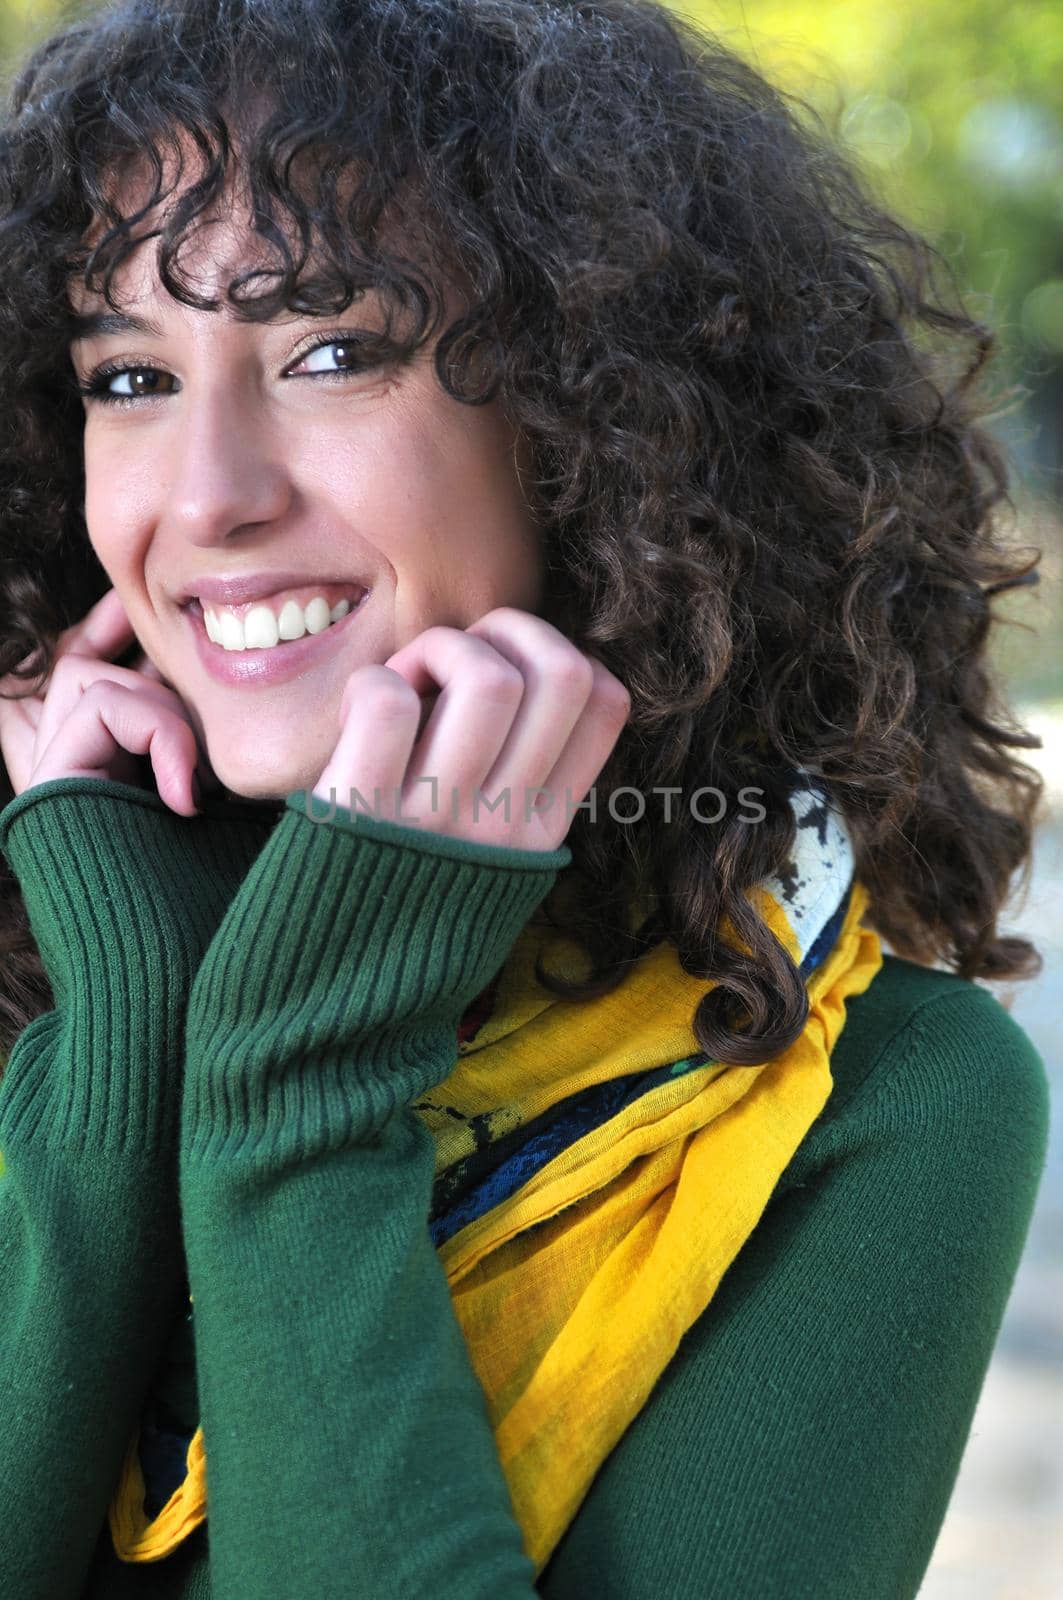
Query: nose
[{"x": 228, "y": 469}]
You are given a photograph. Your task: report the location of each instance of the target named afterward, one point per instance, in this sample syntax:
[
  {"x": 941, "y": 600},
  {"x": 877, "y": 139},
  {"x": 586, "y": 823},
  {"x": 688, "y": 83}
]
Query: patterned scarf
[{"x": 596, "y": 1174}]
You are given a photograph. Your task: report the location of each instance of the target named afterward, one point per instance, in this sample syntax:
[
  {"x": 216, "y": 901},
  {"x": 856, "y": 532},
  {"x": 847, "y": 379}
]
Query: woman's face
[{"x": 246, "y": 451}]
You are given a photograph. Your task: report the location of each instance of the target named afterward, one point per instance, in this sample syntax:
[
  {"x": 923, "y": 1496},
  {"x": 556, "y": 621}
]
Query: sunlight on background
[{"x": 954, "y": 111}]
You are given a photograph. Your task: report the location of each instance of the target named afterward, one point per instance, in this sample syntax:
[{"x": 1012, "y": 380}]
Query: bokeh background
[{"x": 954, "y": 110}]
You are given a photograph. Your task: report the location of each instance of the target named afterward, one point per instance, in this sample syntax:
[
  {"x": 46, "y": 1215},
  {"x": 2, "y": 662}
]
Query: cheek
[
  {"x": 100, "y": 470},
  {"x": 470, "y": 512},
  {"x": 103, "y": 532},
  {"x": 115, "y": 506}
]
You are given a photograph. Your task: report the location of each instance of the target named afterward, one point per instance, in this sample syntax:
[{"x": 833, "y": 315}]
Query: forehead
[
  {"x": 221, "y": 241},
  {"x": 209, "y": 262}
]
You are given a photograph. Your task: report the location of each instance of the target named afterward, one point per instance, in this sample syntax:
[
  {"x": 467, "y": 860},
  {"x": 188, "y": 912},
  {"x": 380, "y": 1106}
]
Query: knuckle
[
  {"x": 572, "y": 671},
  {"x": 66, "y": 666},
  {"x": 98, "y": 689},
  {"x": 391, "y": 694},
  {"x": 613, "y": 694},
  {"x": 168, "y": 701},
  {"x": 500, "y": 680},
  {"x": 498, "y": 614},
  {"x": 179, "y": 726}
]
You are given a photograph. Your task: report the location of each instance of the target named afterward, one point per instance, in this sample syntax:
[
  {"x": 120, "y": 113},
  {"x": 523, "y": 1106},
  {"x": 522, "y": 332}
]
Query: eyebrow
[{"x": 103, "y": 322}]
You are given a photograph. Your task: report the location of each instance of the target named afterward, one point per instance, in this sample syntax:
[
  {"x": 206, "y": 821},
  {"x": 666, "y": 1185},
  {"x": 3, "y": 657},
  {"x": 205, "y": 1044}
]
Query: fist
[
  {"x": 522, "y": 724},
  {"x": 97, "y": 720}
]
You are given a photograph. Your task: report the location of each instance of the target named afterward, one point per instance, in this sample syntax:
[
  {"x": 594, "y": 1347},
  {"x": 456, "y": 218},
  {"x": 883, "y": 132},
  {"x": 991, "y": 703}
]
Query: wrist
[
  {"x": 123, "y": 897},
  {"x": 328, "y": 813},
  {"x": 350, "y": 953}
]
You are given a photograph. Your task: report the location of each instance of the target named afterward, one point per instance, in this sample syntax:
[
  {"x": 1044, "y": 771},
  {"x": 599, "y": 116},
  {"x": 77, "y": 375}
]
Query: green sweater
[{"x": 245, "y": 1007}]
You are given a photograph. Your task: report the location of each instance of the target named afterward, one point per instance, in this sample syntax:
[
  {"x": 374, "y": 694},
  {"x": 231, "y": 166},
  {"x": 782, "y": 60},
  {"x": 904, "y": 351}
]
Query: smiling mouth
[{"x": 258, "y": 629}]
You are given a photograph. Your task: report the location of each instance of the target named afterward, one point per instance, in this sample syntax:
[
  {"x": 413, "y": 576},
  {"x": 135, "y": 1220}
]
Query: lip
[
  {"x": 272, "y": 665},
  {"x": 242, "y": 588}
]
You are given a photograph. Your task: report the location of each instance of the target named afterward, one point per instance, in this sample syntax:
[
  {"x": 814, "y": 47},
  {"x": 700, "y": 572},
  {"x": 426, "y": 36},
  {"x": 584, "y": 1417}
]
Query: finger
[
  {"x": 379, "y": 713},
  {"x": 19, "y": 712},
  {"x": 73, "y": 675},
  {"x": 110, "y": 718},
  {"x": 104, "y": 630},
  {"x": 479, "y": 695},
  {"x": 18, "y": 732},
  {"x": 559, "y": 680},
  {"x": 590, "y": 744},
  {"x": 209, "y": 782}
]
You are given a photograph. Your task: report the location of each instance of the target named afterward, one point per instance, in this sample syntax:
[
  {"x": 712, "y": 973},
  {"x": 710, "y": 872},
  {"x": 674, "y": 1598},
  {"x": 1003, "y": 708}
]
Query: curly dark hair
[{"x": 765, "y": 504}]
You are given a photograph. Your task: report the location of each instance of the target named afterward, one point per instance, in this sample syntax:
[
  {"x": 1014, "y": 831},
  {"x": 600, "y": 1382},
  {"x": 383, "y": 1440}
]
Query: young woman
[{"x": 496, "y": 584}]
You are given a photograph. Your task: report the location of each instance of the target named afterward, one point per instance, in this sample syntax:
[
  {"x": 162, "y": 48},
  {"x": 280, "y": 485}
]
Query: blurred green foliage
[
  {"x": 23, "y": 21},
  {"x": 954, "y": 110}
]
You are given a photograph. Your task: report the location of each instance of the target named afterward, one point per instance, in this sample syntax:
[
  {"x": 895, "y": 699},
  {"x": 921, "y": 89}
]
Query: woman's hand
[
  {"x": 97, "y": 720},
  {"x": 519, "y": 709}
]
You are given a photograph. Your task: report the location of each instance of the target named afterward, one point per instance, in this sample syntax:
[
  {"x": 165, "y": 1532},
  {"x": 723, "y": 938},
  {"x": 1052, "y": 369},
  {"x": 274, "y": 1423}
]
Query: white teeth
[
  {"x": 318, "y": 615},
  {"x": 261, "y": 630},
  {"x": 232, "y": 632},
  {"x": 291, "y": 623}
]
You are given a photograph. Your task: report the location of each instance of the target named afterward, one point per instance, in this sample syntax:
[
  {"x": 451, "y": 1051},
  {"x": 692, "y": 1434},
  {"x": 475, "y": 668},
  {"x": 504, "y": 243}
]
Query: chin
[
  {"x": 266, "y": 789},
  {"x": 264, "y": 780}
]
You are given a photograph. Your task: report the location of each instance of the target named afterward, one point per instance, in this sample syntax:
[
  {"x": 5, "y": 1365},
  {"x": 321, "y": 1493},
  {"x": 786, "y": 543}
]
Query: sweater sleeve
[
  {"x": 123, "y": 897},
  {"x": 347, "y": 1437},
  {"x": 804, "y": 1442}
]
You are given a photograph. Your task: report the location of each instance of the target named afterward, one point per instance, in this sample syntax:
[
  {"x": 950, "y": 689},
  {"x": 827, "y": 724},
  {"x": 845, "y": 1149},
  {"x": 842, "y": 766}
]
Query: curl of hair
[{"x": 765, "y": 503}]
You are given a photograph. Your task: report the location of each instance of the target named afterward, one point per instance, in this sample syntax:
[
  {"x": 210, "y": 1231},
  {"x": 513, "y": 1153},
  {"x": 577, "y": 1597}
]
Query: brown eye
[
  {"x": 142, "y": 380},
  {"x": 337, "y": 355},
  {"x": 126, "y": 383}
]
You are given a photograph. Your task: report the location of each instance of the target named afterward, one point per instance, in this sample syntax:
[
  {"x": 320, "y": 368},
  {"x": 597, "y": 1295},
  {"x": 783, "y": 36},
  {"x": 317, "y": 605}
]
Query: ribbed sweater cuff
[
  {"x": 123, "y": 897},
  {"x": 331, "y": 994}
]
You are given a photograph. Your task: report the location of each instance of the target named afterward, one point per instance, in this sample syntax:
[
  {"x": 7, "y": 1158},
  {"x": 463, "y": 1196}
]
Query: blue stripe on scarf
[
  {"x": 496, "y": 1170},
  {"x": 824, "y": 941}
]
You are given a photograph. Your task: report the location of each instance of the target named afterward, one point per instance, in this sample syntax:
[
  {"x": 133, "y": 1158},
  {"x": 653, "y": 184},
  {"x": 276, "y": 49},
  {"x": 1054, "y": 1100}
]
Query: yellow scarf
[{"x": 623, "y": 1172}]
